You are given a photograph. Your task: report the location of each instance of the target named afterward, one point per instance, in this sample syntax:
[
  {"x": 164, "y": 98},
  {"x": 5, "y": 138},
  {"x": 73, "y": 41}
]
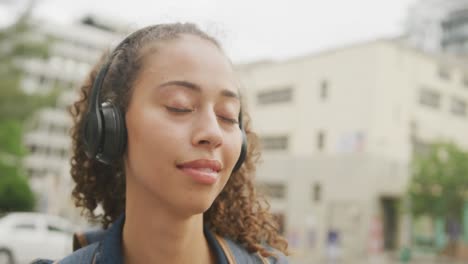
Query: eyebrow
[{"x": 195, "y": 87}]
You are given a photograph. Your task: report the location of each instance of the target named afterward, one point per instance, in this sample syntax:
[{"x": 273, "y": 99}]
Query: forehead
[{"x": 188, "y": 58}]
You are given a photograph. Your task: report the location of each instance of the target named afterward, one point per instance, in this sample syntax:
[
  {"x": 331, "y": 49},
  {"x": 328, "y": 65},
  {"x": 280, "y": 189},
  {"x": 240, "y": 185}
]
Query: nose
[{"x": 207, "y": 133}]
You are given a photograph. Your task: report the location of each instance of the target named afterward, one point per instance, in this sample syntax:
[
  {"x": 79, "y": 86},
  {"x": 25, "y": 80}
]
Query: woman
[{"x": 161, "y": 143}]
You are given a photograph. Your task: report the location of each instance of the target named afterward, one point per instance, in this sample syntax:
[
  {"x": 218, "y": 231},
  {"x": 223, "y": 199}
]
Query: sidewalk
[
  {"x": 416, "y": 259},
  {"x": 392, "y": 259}
]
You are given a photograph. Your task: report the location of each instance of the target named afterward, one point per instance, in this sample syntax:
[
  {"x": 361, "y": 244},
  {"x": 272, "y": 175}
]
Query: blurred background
[{"x": 360, "y": 105}]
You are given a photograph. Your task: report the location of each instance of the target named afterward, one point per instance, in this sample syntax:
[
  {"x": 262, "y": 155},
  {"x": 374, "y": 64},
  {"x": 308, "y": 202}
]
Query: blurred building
[
  {"x": 73, "y": 50},
  {"x": 338, "y": 129},
  {"x": 439, "y": 25}
]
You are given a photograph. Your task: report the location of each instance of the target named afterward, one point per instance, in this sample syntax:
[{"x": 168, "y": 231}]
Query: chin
[{"x": 198, "y": 206}]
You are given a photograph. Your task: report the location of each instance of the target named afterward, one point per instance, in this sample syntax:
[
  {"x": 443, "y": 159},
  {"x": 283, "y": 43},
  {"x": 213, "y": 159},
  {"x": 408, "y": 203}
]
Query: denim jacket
[{"x": 105, "y": 247}]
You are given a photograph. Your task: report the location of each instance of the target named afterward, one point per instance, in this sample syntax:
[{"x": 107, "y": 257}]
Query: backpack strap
[
  {"x": 226, "y": 249},
  {"x": 85, "y": 246},
  {"x": 239, "y": 255},
  {"x": 82, "y": 239},
  {"x": 85, "y": 255}
]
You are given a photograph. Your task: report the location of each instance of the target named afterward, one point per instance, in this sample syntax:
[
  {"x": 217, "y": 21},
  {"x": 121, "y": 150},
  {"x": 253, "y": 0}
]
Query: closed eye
[
  {"x": 186, "y": 110},
  {"x": 229, "y": 120},
  {"x": 179, "y": 110}
]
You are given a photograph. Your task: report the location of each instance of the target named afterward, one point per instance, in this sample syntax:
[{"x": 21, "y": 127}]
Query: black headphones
[{"x": 104, "y": 131}]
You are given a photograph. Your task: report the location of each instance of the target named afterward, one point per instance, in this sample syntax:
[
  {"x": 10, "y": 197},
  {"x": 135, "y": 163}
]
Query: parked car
[{"x": 27, "y": 236}]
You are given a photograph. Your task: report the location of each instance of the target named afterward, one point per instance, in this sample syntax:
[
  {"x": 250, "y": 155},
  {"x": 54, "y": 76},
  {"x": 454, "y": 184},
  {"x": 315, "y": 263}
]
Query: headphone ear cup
[
  {"x": 114, "y": 133},
  {"x": 92, "y": 133},
  {"x": 243, "y": 153}
]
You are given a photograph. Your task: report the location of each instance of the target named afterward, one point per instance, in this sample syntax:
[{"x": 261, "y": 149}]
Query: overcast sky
[{"x": 248, "y": 29}]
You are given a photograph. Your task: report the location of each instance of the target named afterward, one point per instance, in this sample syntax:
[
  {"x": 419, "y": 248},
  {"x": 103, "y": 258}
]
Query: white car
[{"x": 28, "y": 236}]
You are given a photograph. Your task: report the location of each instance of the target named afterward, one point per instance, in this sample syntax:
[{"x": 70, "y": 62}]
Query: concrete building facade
[{"x": 338, "y": 129}]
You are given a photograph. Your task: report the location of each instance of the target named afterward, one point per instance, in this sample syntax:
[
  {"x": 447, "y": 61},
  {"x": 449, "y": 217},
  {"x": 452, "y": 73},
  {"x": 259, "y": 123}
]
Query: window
[
  {"x": 63, "y": 153},
  {"x": 320, "y": 140},
  {"x": 429, "y": 98},
  {"x": 465, "y": 80},
  {"x": 56, "y": 151},
  {"x": 420, "y": 147},
  {"x": 316, "y": 192},
  {"x": 458, "y": 107},
  {"x": 277, "y": 95},
  {"x": 54, "y": 228},
  {"x": 444, "y": 73},
  {"x": 32, "y": 148},
  {"x": 274, "y": 190},
  {"x": 42, "y": 80},
  {"x": 52, "y": 128},
  {"x": 25, "y": 226},
  {"x": 324, "y": 90},
  {"x": 275, "y": 142}
]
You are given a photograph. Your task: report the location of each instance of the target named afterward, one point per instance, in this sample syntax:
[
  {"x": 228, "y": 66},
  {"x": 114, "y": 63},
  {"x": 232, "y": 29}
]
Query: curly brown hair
[{"x": 239, "y": 204}]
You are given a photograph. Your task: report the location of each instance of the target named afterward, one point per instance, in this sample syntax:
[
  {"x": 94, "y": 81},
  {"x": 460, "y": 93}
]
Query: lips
[
  {"x": 202, "y": 171},
  {"x": 203, "y": 165}
]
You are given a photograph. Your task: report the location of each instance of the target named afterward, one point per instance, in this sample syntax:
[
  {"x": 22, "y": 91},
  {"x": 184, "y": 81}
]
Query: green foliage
[
  {"x": 17, "y": 44},
  {"x": 15, "y": 194},
  {"x": 439, "y": 183},
  {"x": 10, "y": 137},
  {"x": 16, "y": 105}
]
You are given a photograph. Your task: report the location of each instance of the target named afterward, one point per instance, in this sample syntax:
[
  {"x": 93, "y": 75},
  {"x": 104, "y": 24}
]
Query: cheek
[
  {"x": 233, "y": 148},
  {"x": 151, "y": 141}
]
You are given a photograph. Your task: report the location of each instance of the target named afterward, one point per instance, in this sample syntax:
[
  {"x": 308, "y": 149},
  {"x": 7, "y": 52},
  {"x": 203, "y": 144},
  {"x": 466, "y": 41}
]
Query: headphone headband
[
  {"x": 96, "y": 89},
  {"x": 104, "y": 131}
]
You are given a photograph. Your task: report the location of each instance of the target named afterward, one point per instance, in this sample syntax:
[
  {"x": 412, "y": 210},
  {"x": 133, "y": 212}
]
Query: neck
[{"x": 156, "y": 235}]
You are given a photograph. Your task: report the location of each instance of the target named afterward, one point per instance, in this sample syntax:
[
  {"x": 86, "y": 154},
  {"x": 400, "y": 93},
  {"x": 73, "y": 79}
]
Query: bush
[{"x": 15, "y": 194}]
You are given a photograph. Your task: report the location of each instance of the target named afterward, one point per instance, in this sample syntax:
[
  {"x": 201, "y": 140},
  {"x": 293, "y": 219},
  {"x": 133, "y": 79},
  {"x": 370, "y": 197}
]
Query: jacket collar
[{"x": 111, "y": 246}]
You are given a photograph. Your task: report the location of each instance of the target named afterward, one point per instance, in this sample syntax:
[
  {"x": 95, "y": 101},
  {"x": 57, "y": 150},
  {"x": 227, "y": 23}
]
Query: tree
[
  {"x": 439, "y": 185},
  {"x": 17, "y": 46},
  {"x": 439, "y": 189},
  {"x": 15, "y": 107},
  {"x": 15, "y": 193}
]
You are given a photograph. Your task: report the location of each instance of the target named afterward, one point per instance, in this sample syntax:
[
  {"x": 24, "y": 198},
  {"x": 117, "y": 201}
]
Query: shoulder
[
  {"x": 243, "y": 256},
  {"x": 84, "y": 246}
]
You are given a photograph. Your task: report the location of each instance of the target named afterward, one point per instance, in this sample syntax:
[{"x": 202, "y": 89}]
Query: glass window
[
  {"x": 465, "y": 80},
  {"x": 274, "y": 190},
  {"x": 32, "y": 148},
  {"x": 324, "y": 90},
  {"x": 55, "y": 228},
  {"x": 321, "y": 140},
  {"x": 275, "y": 142},
  {"x": 444, "y": 73},
  {"x": 420, "y": 147},
  {"x": 317, "y": 192},
  {"x": 63, "y": 153},
  {"x": 276, "y": 95},
  {"x": 25, "y": 226},
  {"x": 430, "y": 98},
  {"x": 458, "y": 107}
]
